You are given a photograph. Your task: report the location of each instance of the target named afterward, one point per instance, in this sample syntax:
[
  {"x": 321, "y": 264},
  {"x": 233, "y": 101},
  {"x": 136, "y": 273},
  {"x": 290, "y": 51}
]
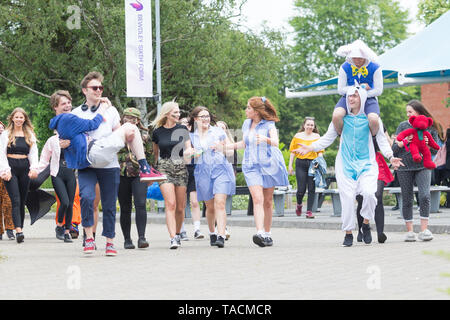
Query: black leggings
[
  {"x": 17, "y": 188},
  {"x": 132, "y": 187},
  {"x": 379, "y": 209},
  {"x": 303, "y": 181},
  {"x": 65, "y": 185}
]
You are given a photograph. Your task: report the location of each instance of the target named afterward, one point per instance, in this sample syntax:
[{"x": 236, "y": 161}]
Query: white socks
[{"x": 264, "y": 234}]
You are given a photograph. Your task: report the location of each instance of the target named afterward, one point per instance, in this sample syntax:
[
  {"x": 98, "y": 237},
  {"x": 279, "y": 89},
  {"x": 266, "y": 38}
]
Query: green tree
[
  {"x": 321, "y": 27},
  {"x": 430, "y": 10},
  {"x": 206, "y": 59}
]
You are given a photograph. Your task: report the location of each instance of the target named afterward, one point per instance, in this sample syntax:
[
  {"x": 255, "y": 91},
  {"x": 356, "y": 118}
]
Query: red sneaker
[
  {"x": 298, "y": 210},
  {"x": 89, "y": 246},
  {"x": 110, "y": 250},
  {"x": 152, "y": 176},
  {"x": 309, "y": 215}
]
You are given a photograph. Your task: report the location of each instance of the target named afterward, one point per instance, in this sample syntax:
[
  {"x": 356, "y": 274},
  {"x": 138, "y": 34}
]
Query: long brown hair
[
  {"x": 27, "y": 127},
  {"x": 304, "y": 122},
  {"x": 264, "y": 107},
  {"x": 194, "y": 114},
  {"x": 420, "y": 109}
]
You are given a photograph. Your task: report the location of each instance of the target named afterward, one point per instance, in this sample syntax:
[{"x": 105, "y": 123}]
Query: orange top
[{"x": 295, "y": 143}]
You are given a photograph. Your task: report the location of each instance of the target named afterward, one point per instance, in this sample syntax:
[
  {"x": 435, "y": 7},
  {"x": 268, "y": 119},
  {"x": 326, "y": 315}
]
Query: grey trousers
[{"x": 423, "y": 181}]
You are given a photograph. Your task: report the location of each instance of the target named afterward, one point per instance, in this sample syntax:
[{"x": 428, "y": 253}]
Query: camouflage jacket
[{"x": 127, "y": 160}]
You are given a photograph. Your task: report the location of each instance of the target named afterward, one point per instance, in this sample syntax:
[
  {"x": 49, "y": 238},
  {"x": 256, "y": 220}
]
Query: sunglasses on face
[{"x": 95, "y": 88}]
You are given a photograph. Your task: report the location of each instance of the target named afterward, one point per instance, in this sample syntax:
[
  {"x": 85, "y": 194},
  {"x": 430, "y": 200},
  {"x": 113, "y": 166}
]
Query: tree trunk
[{"x": 141, "y": 105}]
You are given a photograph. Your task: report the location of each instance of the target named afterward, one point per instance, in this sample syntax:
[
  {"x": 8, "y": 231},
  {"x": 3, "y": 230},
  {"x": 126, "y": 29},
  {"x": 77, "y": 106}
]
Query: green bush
[{"x": 240, "y": 202}]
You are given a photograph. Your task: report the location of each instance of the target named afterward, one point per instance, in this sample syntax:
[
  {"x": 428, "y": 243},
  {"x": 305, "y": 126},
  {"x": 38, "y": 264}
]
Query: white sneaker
[
  {"x": 227, "y": 234},
  {"x": 425, "y": 235},
  {"x": 198, "y": 235},
  {"x": 410, "y": 236},
  {"x": 174, "y": 243}
]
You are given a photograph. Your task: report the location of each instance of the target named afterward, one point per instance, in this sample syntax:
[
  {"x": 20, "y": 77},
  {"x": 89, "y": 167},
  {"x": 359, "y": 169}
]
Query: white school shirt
[{"x": 50, "y": 153}]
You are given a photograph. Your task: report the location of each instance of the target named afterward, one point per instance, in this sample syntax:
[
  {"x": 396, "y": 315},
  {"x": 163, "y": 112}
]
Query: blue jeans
[{"x": 108, "y": 180}]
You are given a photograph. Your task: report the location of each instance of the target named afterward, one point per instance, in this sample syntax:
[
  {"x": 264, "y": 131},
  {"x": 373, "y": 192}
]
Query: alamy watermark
[
  {"x": 74, "y": 277},
  {"x": 374, "y": 280},
  {"x": 74, "y": 20}
]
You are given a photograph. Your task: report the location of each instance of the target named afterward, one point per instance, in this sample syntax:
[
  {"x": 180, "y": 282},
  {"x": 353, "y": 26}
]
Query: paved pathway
[{"x": 304, "y": 263}]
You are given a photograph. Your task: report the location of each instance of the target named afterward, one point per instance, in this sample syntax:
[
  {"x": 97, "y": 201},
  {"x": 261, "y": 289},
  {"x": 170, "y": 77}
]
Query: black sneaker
[
  {"x": 59, "y": 233},
  {"x": 183, "y": 236},
  {"x": 382, "y": 238},
  {"x": 213, "y": 239},
  {"x": 198, "y": 235},
  {"x": 359, "y": 238},
  {"x": 367, "y": 235},
  {"x": 348, "y": 240},
  {"x": 142, "y": 243},
  {"x": 67, "y": 237},
  {"x": 259, "y": 240},
  {"x": 10, "y": 234},
  {"x": 268, "y": 241},
  {"x": 1, "y": 236},
  {"x": 19, "y": 237},
  {"x": 128, "y": 244},
  {"x": 220, "y": 242}
]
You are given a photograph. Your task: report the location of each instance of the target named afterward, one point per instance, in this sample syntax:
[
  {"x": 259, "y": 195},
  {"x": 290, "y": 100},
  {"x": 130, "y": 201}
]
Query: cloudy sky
[{"x": 277, "y": 13}]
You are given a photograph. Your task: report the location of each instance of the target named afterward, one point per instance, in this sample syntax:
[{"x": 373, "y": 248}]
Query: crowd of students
[{"x": 98, "y": 154}]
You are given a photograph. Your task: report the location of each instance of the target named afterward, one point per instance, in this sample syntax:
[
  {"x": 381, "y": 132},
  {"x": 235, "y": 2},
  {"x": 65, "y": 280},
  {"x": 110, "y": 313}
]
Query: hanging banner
[{"x": 138, "y": 41}]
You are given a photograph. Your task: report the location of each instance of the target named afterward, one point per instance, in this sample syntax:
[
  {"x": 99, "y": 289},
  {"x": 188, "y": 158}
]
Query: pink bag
[{"x": 441, "y": 156}]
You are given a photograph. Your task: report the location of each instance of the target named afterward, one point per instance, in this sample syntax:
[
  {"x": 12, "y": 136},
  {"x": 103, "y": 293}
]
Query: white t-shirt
[{"x": 112, "y": 119}]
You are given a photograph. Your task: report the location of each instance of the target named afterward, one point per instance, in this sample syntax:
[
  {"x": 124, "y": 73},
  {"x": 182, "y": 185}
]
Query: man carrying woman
[{"x": 95, "y": 155}]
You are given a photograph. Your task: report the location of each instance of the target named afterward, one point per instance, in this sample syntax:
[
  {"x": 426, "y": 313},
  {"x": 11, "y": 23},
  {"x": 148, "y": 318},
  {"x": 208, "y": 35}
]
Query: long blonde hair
[
  {"x": 27, "y": 127},
  {"x": 161, "y": 118}
]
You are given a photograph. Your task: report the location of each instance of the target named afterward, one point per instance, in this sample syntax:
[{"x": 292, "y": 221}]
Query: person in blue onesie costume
[{"x": 356, "y": 166}]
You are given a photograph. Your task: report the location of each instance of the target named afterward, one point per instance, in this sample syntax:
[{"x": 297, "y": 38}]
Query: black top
[
  {"x": 171, "y": 140},
  {"x": 21, "y": 147}
]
